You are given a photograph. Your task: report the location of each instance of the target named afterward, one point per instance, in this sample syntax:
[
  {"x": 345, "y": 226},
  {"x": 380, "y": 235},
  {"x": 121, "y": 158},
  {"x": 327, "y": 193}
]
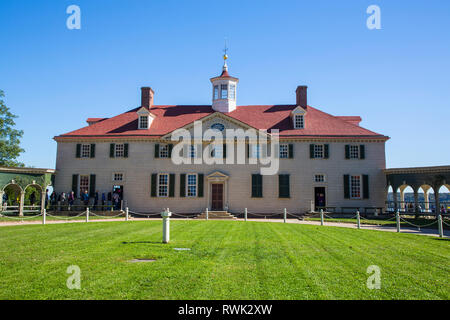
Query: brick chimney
[
  {"x": 147, "y": 97},
  {"x": 301, "y": 95}
]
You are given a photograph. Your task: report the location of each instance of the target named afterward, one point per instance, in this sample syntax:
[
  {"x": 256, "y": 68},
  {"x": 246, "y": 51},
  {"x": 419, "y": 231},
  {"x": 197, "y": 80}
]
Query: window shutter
[
  {"x": 112, "y": 148},
  {"x": 200, "y": 184},
  {"x": 182, "y": 185},
  {"x": 92, "y": 185},
  {"x": 170, "y": 150},
  {"x": 125, "y": 150},
  {"x": 260, "y": 182},
  {"x": 362, "y": 151},
  {"x": 172, "y": 185},
  {"x": 283, "y": 186},
  {"x": 78, "y": 151},
  {"x": 75, "y": 184},
  {"x": 365, "y": 186},
  {"x": 153, "y": 184},
  {"x": 248, "y": 150},
  {"x": 256, "y": 186},
  {"x": 224, "y": 150},
  {"x": 291, "y": 151},
  {"x": 346, "y": 186},
  {"x": 347, "y": 151},
  {"x": 157, "y": 150},
  {"x": 92, "y": 150},
  {"x": 311, "y": 151},
  {"x": 326, "y": 151}
]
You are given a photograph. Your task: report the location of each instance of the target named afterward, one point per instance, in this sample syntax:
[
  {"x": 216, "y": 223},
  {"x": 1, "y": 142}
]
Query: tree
[{"x": 9, "y": 137}]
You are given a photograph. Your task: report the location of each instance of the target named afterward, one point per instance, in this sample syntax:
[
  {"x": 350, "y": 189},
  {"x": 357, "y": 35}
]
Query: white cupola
[{"x": 224, "y": 90}]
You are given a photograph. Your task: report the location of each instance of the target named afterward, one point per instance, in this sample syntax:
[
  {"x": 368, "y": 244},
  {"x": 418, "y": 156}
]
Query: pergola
[
  {"x": 420, "y": 177},
  {"x": 22, "y": 178}
]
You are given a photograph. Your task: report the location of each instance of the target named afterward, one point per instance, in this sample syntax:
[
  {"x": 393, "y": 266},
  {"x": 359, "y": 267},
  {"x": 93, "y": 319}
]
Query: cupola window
[
  {"x": 216, "y": 92},
  {"x": 223, "y": 91},
  {"x": 232, "y": 92}
]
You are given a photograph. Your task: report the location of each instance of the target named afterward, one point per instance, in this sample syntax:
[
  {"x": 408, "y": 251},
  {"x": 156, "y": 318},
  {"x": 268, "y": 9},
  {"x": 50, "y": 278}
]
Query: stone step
[{"x": 224, "y": 215}]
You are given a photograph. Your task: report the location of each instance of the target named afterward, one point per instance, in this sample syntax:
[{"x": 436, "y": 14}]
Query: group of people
[{"x": 105, "y": 200}]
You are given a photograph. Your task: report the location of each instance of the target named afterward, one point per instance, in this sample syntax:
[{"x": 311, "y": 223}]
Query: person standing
[
  {"x": 86, "y": 198},
  {"x": 71, "y": 199},
  {"x": 103, "y": 200},
  {"x": 95, "y": 200}
]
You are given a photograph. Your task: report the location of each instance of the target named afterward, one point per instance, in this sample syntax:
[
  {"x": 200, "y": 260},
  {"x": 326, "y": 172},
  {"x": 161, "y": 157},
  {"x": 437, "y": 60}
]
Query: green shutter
[
  {"x": 248, "y": 150},
  {"x": 257, "y": 186},
  {"x": 78, "y": 151},
  {"x": 182, "y": 185},
  {"x": 326, "y": 151},
  {"x": 291, "y": 151},
  {"x": 346, "y": 186},
  {"x": 362, "y": 151},
  {"x": 112, "y": 148},
  {"x": 260, "y": 185},
  {"x": 157, "y": 150},
  {"x": 311, "y": 151},
  {"x": 92, "y": 150},
  {"x": 224, "y": 150},
  {"x": 172, "y": 185},
  {"x": 92, "y": 185},
  {"x": 200, "y": 184},
  {"x": 283, "y": 186},
  {"x": 125, "y": 150},
  {"x": 75, "y": 184},
  {"x": 153, "y": 184},
  {"x": 170, "y": 150},
  {"x": 365, "y": 186},
  {"x": 347, "y": 151}
]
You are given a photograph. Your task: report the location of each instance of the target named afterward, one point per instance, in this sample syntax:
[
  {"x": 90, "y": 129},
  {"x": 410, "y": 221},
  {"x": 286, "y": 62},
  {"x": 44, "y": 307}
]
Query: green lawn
[{"x": 227, "y": 260}]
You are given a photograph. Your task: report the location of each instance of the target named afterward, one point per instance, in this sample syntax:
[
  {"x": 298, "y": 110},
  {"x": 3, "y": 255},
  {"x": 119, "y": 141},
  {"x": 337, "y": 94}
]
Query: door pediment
[{"x": 217, "y": 176}]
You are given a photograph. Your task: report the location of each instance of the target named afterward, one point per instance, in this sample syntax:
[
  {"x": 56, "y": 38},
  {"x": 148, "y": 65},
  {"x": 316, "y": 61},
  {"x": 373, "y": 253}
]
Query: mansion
[{"x": 323, "y": 160}]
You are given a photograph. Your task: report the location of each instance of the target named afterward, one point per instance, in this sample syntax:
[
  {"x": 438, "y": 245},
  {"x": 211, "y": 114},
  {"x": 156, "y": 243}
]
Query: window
[
  {"x": 318, "y": 151},
  {"x": 163, "y": 185},
  {"x": 216, "y": 92},
  {"x": 232, "y": 91},
  {"x": 319, "y": 178},
  {"x": 164, "y": 151},
  {"x": 192, "y": 151},
  {"x": 85, "y": 150},
  {"x": 298, "y": 121},
  {"x": 143, "y": 122},
  {"x": 191, "y": 185},
  {"x": 118, "y": 177},
  {"x": 84, "y": 184},
  {"x": 256, "y": 151},
  {"x": 119, "y": 150},
  {"x": 355, "y": 187},
  {"x": 354, "y": 152},
  {"x": 284, "y": 151},
  {"x": 223, "y": 91},
  {"x": 217, "y": 151}
]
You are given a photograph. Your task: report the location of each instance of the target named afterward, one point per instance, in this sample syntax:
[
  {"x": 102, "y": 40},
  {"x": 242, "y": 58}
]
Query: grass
[{"x": 227, "y": 260}]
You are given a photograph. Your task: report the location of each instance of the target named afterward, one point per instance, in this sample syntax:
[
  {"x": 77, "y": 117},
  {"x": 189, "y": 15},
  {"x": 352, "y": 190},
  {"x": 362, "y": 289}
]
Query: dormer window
[
  {"x": 143, "y": 122},
  {"x": 298, "y": 121}
]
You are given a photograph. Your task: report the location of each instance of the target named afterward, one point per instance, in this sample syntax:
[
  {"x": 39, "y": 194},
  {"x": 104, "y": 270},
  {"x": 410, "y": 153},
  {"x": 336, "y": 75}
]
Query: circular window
[{"x": 218, "y": 126}]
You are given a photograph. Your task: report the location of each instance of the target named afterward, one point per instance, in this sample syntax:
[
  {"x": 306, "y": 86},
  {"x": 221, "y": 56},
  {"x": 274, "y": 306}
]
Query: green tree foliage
[{"x": 9, "y": 137}]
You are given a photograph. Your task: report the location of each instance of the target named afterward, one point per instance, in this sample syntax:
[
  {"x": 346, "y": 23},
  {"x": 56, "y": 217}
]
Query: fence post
[
  {"x": 87, "y": 214},
  {"x": 126, "y": 214},
  {"x": 397, "y": 218},
  {"x": 284, "y": 215},
  {"x": 245, "y": 214},
  {"x": 321, "y": 217},
  {"x": 207, "y": 214},
  {"x": 440, "y": 227},
  {"x": 44, "y": 216},
  {"x": 358, "y": 219}
]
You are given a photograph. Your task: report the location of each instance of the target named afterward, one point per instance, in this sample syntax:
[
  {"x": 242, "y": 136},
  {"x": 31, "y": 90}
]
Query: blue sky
[{"x": 396, "y": 78}]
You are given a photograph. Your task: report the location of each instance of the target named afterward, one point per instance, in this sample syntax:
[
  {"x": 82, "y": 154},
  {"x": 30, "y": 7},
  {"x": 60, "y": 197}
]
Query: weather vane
[{"x": 225, "y": 50}]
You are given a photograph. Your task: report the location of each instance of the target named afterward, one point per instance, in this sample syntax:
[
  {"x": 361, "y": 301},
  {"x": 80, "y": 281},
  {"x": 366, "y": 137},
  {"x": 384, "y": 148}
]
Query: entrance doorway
[
  {"x": 319, "y": 197},
  {"x": 118, "y": 200},
  {"x": 217, "y": 196}
]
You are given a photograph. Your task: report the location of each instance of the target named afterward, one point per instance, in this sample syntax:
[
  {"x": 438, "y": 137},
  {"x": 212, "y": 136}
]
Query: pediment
[{"x": 217, "y": 176}]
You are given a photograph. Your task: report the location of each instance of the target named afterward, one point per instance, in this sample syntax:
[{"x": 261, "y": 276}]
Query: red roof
[{"x": 170, "y": 117}]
